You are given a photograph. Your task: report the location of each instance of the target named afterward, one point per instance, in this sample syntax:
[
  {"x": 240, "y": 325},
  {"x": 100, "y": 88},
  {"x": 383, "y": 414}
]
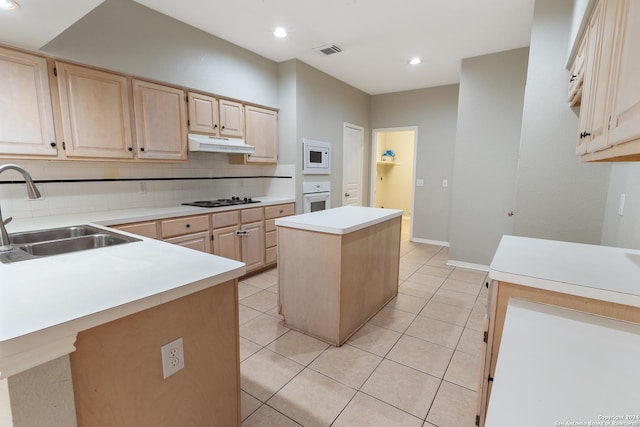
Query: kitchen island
[
  {"x": 337, "y": 268},
  {"x": 80, "y": 336},
  {"x": 567, "y": 316}
]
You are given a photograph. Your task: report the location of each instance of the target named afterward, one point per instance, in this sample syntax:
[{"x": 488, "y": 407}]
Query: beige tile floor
[{"x": 416, "y": 363}]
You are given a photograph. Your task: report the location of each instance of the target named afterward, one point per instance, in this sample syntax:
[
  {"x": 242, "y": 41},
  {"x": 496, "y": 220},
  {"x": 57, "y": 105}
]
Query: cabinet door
[
  {"x": 161, "y": 121},
  {"x": 231, "y": 119},
  {"x": 196, "y": 241},
  {"x": 594, "y": 117},
  {"x": 625, "y": 106},
  {"x": 253, "y": 245},
  {"x": 146, "y": 229},
  {"x": 96, "y": 118},
  {"x": 26, "y": 113},
  {"x": 261, "y": 128},
  {"x": 226, "y": 243},
  {"x": 203, "y": 114}
]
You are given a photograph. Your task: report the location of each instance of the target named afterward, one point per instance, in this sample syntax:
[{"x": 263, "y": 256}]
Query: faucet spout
[{"x": 33, "y": 193}]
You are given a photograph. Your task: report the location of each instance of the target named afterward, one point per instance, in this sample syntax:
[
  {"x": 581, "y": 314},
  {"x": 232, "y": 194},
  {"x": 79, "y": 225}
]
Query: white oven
[
  {"x": 316, "y": 157},
  {"x": 317, "y": 196}
]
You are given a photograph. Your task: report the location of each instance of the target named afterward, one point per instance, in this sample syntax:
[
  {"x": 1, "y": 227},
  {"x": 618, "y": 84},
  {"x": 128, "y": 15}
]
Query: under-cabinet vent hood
[{"x": 214, "y": 144}]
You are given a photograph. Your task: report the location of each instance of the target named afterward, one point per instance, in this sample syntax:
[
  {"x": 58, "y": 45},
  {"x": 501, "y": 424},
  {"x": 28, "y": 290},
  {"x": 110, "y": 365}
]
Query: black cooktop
[{"x": 222, "y": 202}]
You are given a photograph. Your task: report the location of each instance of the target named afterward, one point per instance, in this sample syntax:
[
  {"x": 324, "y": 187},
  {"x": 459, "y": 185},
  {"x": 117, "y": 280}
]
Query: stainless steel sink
[
  {"x": 52, "y": 234},
  {"x": 56, "y": 241}
]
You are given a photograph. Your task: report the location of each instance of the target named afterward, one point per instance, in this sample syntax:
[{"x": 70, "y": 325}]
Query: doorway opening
[{"x": 393, "y": 172}]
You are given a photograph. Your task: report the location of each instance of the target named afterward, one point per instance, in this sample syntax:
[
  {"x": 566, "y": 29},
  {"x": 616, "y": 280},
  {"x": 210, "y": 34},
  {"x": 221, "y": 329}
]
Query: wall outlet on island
[{"x": 172, "y": 357}]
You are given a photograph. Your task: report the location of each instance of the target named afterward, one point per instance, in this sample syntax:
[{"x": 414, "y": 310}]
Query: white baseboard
[
  {"x": 468, "y": 265},
  {"x": 429, "y": 241}
]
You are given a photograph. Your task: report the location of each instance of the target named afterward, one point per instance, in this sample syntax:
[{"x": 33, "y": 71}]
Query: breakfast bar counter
[{"x": 337, "y": 268}]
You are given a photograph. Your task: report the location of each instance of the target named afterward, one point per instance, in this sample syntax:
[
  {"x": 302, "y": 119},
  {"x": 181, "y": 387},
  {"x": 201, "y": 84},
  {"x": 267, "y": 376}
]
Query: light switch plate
[
  {"x": 621, "y": 204},
  {"x": 419, "y": 182}
]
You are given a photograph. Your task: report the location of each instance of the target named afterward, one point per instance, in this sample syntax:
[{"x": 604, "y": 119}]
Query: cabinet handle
[
  {"x": 53, "y": 145},
  {"x": 584, "y": 134},
  {"x": 573, "y": 78}
]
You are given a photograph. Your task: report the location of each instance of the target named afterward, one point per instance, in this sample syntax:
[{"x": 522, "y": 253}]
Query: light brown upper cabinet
[
  {"x": 161, "y": 121},
  {"x": 231, "y": 119},
  {"x": 94, "y": 107},
  {"x": 609, "y": 123},
  {"x": 203, "y": 114},
  {"x": 261, "y": 128},
  {"x": 26, "y": 118}
]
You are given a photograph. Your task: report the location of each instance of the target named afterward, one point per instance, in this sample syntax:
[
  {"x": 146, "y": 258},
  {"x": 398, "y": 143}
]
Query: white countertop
[
  {"x": 342, "y": 220},
  {"x": 45, "y": 302},
  {"x": 592, "y": 271},
  {"x": 558, "y": 366}
]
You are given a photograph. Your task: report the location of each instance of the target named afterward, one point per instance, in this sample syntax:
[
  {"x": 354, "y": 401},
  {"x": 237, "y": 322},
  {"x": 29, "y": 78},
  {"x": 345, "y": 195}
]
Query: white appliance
[
  {"x": 317, "y": 195},
  {"x": 316, "y": 157},
  {"x": 214, "y": 144}
]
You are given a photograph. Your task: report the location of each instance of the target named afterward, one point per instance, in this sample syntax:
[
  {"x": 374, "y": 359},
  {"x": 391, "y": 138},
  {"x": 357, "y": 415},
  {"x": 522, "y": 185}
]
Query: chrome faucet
[{"x": 33, "y": 193}]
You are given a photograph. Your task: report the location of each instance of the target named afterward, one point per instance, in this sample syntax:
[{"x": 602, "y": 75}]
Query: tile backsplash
[{"x": 146, "y": 185}]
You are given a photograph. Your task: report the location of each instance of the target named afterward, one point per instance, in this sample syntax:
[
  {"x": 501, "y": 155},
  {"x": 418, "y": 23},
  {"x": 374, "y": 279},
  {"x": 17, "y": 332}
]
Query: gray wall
[
  {"x": 557, "y": 197},
  {"x": 486, "y": 153},
  {"x": 124, "y": 36},
  {"x": 434, "y": 112},
  {"x": 323, "y": 105}
]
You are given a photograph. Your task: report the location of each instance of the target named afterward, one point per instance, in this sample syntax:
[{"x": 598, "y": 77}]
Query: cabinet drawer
[
  {"x": 271, "y": 255},
  {"x": 270, "y": 225},
  {"x": 271, "y": 238},
  {"x": 146, "y": 229},
  {"x": 278, "y": 211},
  {"x": 224, "y": 219},
  {"x": 251, "y": 215},
  {"x": 188, "y": 225}
]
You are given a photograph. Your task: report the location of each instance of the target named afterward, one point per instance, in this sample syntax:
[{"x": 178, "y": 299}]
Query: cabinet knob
[
  {"x": 222, "y": 127},
  {"x": 130, "y": 148},
  {"x": 141, "y": 148},
  {"x": 53, "y": 145},
  {"x": 188, "y": 225},
  {"x": 281, "y": 211},
  {"x": 573, "y": 77},
  {"x": 510, "y": 213},
  {"x": 215, "y": 126}
]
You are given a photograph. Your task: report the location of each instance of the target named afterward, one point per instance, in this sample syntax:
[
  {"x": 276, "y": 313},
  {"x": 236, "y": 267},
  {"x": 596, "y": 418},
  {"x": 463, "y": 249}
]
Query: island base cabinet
[
  {"x": 117, "y": 367},
  {"x": 332, "y": 284}
]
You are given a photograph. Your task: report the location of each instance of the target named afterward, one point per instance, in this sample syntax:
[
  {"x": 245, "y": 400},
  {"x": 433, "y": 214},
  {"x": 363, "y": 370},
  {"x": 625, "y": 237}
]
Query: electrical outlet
[{"x": 172, "y": 357}]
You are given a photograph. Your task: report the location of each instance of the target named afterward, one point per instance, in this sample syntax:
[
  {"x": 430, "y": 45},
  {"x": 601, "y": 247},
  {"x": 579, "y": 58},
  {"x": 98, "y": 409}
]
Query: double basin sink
[{"x": 55, "y": 241}]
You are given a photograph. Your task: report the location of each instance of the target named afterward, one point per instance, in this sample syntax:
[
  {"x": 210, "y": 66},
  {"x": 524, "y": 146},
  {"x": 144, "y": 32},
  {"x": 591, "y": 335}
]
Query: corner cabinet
[
  {"x": 26, "y": 122},
  {"x": 95, "y": 113},
  {"x": 609, "y": 123},
  {"x": 161, "y": 121}
]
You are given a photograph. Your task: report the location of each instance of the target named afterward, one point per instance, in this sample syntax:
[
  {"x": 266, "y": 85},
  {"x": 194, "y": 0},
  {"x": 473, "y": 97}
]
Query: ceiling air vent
[{"x": 328, "y": 49}]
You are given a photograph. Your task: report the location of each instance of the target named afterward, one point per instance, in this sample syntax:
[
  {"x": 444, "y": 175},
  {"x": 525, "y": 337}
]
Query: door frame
[
  {"x": 362, "y": 177},
  {"x": 372, "y": 177}
]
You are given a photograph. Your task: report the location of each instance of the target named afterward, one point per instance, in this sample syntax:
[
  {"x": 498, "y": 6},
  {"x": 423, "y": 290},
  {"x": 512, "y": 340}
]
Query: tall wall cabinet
[{"x": 609, "y": 96}]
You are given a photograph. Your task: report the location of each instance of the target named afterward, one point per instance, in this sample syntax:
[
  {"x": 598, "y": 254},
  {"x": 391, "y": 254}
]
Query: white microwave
[{"x": 316, "y": 157}]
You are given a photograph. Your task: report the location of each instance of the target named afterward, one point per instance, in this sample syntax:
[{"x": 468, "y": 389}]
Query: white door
[{"x": 353, "y": 157}]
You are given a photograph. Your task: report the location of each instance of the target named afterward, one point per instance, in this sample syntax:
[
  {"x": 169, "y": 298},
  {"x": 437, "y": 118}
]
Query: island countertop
[
  {"x": 341, "y": 220},
  {"x": 45, "y": 302},
  {"x": 592, "y": 271}
]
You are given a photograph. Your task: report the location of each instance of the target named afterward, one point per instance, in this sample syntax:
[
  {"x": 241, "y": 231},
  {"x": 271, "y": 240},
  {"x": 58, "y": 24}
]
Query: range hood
[{"x": 214, "y": 144}]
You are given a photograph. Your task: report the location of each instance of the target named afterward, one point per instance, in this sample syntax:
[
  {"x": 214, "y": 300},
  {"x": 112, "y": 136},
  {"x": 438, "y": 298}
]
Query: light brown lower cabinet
[
  {"x": 499, "y": 295},
  {"x": 117, "y": 367}
]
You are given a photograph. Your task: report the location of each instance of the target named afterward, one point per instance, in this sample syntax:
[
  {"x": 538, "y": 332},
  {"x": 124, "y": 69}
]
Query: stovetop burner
[{"x": 222, "y": 202}]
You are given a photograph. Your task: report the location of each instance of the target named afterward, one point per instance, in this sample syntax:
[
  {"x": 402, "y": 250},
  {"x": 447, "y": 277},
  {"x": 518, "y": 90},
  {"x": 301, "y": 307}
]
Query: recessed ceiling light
[
  {"x": 8, "y": 5},
  {"x": 280, "y": 32},
  {"x": 415, "y": 61}
]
